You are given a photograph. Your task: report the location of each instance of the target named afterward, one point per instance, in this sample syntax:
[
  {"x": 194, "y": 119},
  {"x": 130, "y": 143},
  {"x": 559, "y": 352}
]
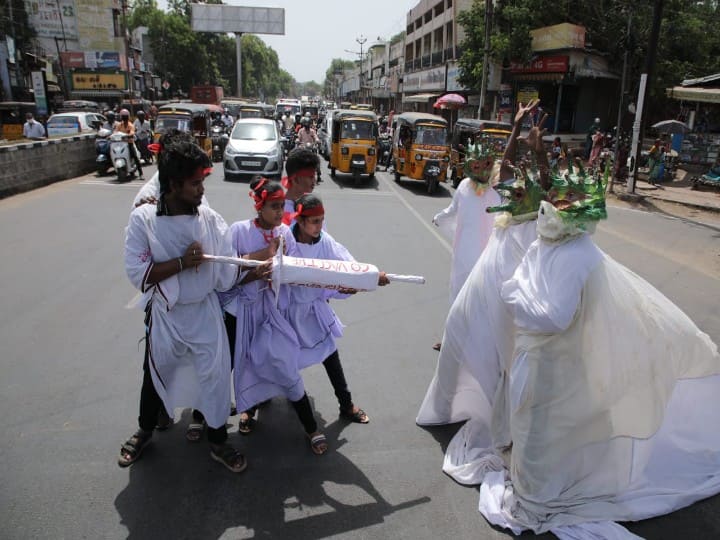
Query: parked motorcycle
[
  {"x": 102, "y": 151},
  {"x": 125, "y": 167},
  {"x": 220, "y": 138},
  {"x": 384, "y": 151},
  {"x": 710, "y": 178}
]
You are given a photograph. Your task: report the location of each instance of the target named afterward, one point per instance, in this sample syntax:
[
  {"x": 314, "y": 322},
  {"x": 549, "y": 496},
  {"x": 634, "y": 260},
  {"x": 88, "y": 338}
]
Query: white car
[
  {"x": 254, "y": 148},
  {"x": 72, "y": 123}
]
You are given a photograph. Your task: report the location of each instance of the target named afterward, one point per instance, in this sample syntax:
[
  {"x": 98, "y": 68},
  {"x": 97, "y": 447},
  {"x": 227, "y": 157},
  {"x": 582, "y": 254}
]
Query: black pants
[
  {"x": 335, "y": 373},
  {"x": 150, "y": 402}
]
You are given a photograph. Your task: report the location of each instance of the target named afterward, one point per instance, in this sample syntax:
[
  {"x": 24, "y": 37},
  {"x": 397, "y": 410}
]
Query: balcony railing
[
  {"x": 437, "y": 58},
  {"x": 449, "y": 54},
  {"x": 426, "y": 61}
]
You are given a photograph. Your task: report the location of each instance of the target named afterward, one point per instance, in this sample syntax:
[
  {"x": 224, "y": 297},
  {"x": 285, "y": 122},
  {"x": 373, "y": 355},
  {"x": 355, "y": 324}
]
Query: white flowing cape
[
  {"x": 466, "y": 223},
  {"x": 478, "y": 334},
  {"x": 189, "y": 352},
  {"x": 613, "y": 395},
  {"x": 309, "y": 312}
]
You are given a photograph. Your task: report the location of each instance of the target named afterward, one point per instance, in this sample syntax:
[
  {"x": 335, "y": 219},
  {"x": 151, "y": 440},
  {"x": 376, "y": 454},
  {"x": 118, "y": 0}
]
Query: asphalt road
[{"x": 71, "y": 373}]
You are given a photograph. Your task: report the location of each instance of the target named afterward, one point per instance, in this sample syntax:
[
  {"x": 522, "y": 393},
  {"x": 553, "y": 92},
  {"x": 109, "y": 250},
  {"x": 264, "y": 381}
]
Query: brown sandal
[
  {"x": 358, "y": 415},
  {"x": 318, "y": 444},
  {"x": 132, "y": 449},
  {"x": 228, "y": 457}
]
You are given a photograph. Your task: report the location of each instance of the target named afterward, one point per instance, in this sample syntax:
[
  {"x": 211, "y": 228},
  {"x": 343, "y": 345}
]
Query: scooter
[
  {"x": 385, "y": 148},
  {"x": 102, "y": 151},
  {"x": 125, "y": 167},
  {"x": 220, "y": 138},
  {"x": 710, "y": 179},
  {"x": 145, "y": 154}
]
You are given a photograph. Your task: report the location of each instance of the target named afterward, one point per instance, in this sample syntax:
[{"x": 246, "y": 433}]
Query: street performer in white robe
[
  {"x": 189, "y": 360},
  {"x": 613, "y": 391}
]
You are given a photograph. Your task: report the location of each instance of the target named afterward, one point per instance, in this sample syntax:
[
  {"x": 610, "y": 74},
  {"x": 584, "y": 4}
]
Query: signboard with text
[
  {"x": 559, "y": 36},
  {"x": 430, "y": 79},
  {"x": 99, "y": 81},
  {"x": 38, "y": 84},
  {"x": 53, "y": 18},
  {"x": 542, "y": 64}
]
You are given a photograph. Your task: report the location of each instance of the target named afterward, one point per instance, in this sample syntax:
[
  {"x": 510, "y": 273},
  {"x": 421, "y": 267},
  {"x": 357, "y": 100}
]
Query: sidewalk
[{"x": 678, "y": 192}]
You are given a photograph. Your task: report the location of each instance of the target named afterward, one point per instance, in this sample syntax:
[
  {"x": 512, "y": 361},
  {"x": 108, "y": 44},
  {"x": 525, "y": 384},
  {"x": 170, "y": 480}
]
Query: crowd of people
[{"x": 210, "y": 327}]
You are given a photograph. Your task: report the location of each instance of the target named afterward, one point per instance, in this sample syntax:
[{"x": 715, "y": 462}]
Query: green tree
[{"x": 337, "y": 67}]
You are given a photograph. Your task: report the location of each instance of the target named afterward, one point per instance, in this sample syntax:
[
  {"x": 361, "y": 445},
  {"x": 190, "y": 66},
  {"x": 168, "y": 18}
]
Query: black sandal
[
  {"x": 359, "y": 416},
  {"x": 229, "y": 457},
  {"x": 245, "y": 423},
  {"x": 132, "y": 449}
]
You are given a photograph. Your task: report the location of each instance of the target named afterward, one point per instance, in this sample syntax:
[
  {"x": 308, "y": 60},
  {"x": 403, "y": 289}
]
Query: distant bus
[{"x": 207, "y": 94}]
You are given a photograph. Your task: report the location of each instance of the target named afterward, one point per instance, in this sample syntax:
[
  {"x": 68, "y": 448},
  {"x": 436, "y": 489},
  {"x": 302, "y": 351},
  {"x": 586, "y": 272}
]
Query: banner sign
[
  {"x": 102, "y": 60},
  {"x": 542, "y": 64},
  {"x": 53, "y": 18},
  {"x": 430, "y": 79},
  {"x": 99, "y": 81},
  {"x": 38, "y": 84},
  {"x": 559, "y": 36}
]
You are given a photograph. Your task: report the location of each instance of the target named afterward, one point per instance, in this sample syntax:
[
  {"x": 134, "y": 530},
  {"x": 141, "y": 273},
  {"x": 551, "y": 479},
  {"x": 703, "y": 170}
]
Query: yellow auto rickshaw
[
  {"x": 194, "y": 118},
  {"x": 354, "y": 143},
  {"x": 472, "y": 129},
  {"x": 420, "y": 148}
]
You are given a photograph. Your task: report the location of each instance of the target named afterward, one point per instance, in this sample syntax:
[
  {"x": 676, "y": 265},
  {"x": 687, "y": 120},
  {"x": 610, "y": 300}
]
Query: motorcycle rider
[
  {"x": 143, "y": 133},
  {"x": 227, "y": 119},
  {"x": 307, "y": 135},
  {"x": 109, "y": 121},
  {"x": 124, "y": 126}
]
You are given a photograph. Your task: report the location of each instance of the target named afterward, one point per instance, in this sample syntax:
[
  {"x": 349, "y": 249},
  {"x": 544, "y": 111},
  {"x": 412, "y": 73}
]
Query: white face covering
[{"x": 552, "y": 228}]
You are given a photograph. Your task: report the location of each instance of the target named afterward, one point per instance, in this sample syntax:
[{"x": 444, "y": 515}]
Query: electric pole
[{"x": 486, "y": 56}]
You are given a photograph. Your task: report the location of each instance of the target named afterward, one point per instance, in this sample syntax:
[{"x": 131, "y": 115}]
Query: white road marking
[{"x": 415, "y": 213}]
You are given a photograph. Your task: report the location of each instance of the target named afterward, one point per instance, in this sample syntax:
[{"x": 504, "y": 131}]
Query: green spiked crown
[
  {"x": 579, "y": 196},
  {"x": 522, "y": 197},
  {"x": 479, "y": 160}
]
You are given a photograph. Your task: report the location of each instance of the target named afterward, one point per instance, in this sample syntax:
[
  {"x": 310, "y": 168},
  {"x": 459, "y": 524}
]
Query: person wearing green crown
[
  {"x": 470, "y": 379},
  {"x": 612, "y": 390}
]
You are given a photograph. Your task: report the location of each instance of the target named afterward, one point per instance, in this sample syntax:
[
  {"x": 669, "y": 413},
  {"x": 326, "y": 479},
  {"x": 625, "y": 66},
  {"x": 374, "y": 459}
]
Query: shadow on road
[
  {"x": 177, "y": 491},
  {"x": 419, "y": 187},
  {"x": 346, "y": 181}
]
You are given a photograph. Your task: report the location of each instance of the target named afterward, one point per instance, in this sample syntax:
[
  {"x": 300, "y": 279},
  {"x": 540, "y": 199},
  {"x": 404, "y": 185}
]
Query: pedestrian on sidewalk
[
  {"x": 164, "y": 249},
  {"x": 32, "y": 129}
]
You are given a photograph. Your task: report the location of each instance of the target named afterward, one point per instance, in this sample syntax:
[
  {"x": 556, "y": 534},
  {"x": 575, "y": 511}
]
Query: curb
[{"x": 697, "y": 206}]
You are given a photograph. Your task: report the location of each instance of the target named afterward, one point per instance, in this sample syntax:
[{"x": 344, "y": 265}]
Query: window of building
[
  {"x": 428, "y": 16},
  {"x": 439, "y": 8},
  {"x": 117, "y": 27},
  {"x": 418, "y": 23},
  {"x": 448, "y": 3}
]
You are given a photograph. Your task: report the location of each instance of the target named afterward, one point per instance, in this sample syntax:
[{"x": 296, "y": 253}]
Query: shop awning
[
  {"x": 419, "y": 98},
  {"x": 548, "y": 77},
  {"x": 590, "y": 73},
  {"x": 100, "y": 93},
  {"x": 703, "y": 95}
]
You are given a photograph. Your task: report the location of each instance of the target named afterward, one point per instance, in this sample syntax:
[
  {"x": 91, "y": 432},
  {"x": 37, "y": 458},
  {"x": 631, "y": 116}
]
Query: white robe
[
  {"x": 309, "y": 312},
  {"x": 189, "y": 352},
  {"x": 613, "y": 394},
  {"x": 478, "y": 334},
  {"x": 469, "y": 226},
  {"x": 266, "y": 346}
]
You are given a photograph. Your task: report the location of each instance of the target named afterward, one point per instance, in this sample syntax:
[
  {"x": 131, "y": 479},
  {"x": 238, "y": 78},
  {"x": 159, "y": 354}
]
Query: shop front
[
  {"x": 101, "y": 87},
  {"x": 421, "y": 88}
]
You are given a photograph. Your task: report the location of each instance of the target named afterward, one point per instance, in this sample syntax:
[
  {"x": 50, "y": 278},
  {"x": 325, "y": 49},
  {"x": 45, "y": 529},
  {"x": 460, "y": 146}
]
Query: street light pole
[{"x": 361, "y": 40}]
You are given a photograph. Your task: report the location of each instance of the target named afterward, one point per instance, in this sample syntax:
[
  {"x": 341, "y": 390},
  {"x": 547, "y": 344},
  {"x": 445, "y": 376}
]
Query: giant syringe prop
[{"x": 321, "y": 273}]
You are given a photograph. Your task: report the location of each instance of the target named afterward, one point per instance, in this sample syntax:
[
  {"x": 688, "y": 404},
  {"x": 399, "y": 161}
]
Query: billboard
[
  {"x": 559, "y": 36},
  {"x": 52, "y": 18},
  {"x": 240, "y": 20},
  {"x": 38, "y": 84},
  {"x": 98, "y": 81}
]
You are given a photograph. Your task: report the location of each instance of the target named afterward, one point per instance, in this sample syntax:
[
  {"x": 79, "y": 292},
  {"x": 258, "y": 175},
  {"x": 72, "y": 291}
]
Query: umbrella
[
  {"x": 671, "y": 126},
  {"x": 450, "y": 101}
]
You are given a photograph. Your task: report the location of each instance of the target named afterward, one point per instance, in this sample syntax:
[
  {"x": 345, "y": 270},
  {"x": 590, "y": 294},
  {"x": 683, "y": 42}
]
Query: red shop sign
[{"x": 542, "y": 64}]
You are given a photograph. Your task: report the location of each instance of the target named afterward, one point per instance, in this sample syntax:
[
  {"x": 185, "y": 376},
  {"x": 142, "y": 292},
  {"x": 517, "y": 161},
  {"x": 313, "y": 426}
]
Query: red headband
[
  {"x": 264, "y": 196},
  {"x": 155, "y": 148},
  {"x": 308, "y": 171},
  {"x": 310, "y": 212}
]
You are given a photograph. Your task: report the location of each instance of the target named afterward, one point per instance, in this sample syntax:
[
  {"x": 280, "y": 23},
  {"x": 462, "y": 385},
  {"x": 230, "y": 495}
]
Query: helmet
[
  {"x": 307, "y": 114},
  {"x": 110, "y": 116},
  {"x": 124, "y": 112},
  {"x": 141, "y": 113},
  {"x": 305, "y": 122},
  {"x": 225, "y": 110}
]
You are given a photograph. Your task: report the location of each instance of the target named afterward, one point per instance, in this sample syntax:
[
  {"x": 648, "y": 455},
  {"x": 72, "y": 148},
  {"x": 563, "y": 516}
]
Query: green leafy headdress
[
  {"x": 522, "y": 197},
  {"x": 479, "y": 161},
  {"x": 579, "y": 196}
]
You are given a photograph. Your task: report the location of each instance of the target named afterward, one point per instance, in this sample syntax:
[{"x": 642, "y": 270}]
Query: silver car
[{"x": 254, "y": 148}]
